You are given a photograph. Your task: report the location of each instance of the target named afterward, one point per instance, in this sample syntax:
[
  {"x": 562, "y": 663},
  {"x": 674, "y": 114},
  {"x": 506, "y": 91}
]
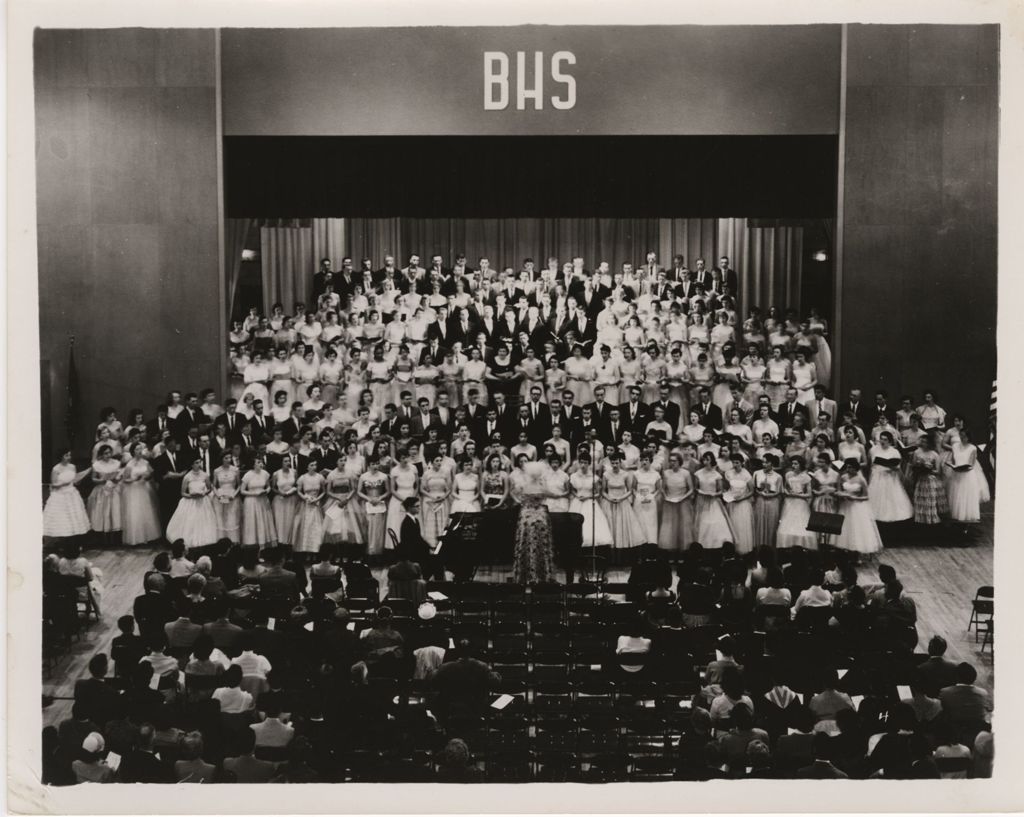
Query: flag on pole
[
  {"x": 992, "y": 427},
  {"x": 71, "y": 417}
]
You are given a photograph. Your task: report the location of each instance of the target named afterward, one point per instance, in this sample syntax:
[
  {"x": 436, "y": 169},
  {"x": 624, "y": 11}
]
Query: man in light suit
[{"x": 822, "y": 404}]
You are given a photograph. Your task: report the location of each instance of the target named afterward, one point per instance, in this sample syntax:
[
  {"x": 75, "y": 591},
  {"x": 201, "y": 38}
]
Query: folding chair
[
  {"x": 990, "y": 635},
  {"x": 982, "y": 608},
  {"x": 552, "y": 696},
  {"x": 550, "y": 666},
  {"x": 555, "y": 733}
]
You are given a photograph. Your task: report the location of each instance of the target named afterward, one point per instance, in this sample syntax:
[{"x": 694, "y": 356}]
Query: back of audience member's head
[
  {"x": 700, "y": 720},
  {"x": 893, "y": 590},
  {"x": 157, "y": 642},
  {"x": 727, "y": 646},
  {"x": 204, "y": 565},
  {"x": 144, "y": 737},
  {"x": 126, "y": 624},
  {"x": 846, "y": 721},
  {"x": 202, "y": 648},
  {"x": 937, "y": 646},
  {"x": 232, "y": 676},
  {"x": 162, "y": 562},
  {"x": 732, "y": 683},
  {"x": 178, "y": 548},
  {"x": 742, "y": 718},
  {"x": 141, "y": 675},
  {"x": 192, "y": 746},
  {"x": 98, "y": 665},
  {"x": 966, "y": 673},
  {"x": 902, "y": 718},
  {"x": 803, "y": 719},
  {"x": 249, "y": 558},
  {"x": 156, "y": 583},
  {"x": 817, "y": 577},
  {"x": 196, "y": 584},
  {"x": 856, "y": 596},
  {"x": 246, "y": 742},
  {"x": 886, "y": 573},
  {"x": 758, "y": 754}
]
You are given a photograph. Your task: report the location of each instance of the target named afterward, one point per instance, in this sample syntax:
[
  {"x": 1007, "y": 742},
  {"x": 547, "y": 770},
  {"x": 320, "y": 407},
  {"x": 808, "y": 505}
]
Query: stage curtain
[
  {"x": 374, "y": 238},
  {"x": 691, "y": 238},
  {"x": 288, "y": 263},
  {"x": 767, "y": 260},
  {"x": 329, "y": 241},
  {"x": 236, "y": 230}
]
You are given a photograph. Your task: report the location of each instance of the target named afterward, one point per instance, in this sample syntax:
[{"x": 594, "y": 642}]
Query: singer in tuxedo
[
  {"x": 788, "y": 410},
  {"x": 856, "y": 406},
  {"x": 158, "y": 425},
  {"x": 672, "y": 409},
  {"x": 412, "y": 544},
  {"x": 635, "y": 414},
  {"x": 168, "y": 469},
  {"x": 710, "y": 414}
]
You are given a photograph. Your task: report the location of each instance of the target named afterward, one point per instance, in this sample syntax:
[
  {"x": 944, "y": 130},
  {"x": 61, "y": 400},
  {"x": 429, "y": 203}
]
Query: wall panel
[
  {"x": 127, "y": 217},
  {"x": 919, "y": 264}
]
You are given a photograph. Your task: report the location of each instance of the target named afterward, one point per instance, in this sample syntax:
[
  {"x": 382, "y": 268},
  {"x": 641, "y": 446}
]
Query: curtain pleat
[
  {"x": 768, "y": 261},
  {"x": 329, "y": 240},
  {"x": 287, "y": 264}
]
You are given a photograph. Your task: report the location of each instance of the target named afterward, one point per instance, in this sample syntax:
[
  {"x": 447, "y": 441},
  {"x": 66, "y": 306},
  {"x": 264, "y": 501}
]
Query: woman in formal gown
[
  {"x": 796, "y": 509},
  {"x": 617, "y": 503},
  {"x": 579, "y": 374},
  {"x": 473, "y": 372},
  {"x": 778, "y": 376},
  {"x": 304, "y": 373},
  {"x": 450, "y": 373},
  {"x": 963, "y": 488},
  {"x": 586, "y": 491},
  {"x": 104, "y": 505},
  {"x": 285, "y": 503},
  {"x": 850, "y": 448},
  {"x": 647, "y": 498},
  {"x": 753, "y": 371},
  {"x": 931, "y": 504},
  {"x": 227, "y": 502},
  {"x": 281, "y": 380},
  {"x": 139, "y": 508},
  {"x": 678, "y": 375},
  {"x": 343, "y": 522},
  {"x": 308, "y": 525},
  {"x": 654, "y": 367},
  {"x": 331, "y": 374},
  {"x": 676, "y": 530},
  {"x": 532, "y": 371},
  {"x": 768, "y": 501},
  {"x": 886, "y": 494},
  {"x": 740, "y": 504},
  {"x": 711, "y": 520},
  {"x": 932, "y": 415},
  {"x": 556, "y": 482},
  {"x": 818, "y": 328},
  {"x": 64, "y": 513},
  {"x": 426, "y": 376},
  {"x": 728, "y": 373},
  {"x": 105, "y": 438},
  {"x": 533, "y": 561},
  {"x": 554, "y": 379},
  {"x": 494, "y": 486},
  {"x": 355, "y": 377},
  {"x": 824, "y": 484},
  {"x": 372, "y": 490},
  {"x": 379, "y": 376},
  {"x": 258, "y": 526},
  {"x": 804, "y": 376},
  {"x": 860, "y": 533},
  {"x": 403, "y": 378},
  {"x": 467, "y": 489},
  {"x": 257, "y": 377},
  {"x": 404, "y": 482},
  {"x": 435, "y": 500},
  {"x": 194, "y": 521}
]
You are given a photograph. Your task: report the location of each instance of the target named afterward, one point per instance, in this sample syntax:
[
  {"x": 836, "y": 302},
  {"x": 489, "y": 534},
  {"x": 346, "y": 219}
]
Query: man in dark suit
[
  {"x": 290, "y": 428},
  {"x": 789, "y": 408},
  {"x": 206, "y": 454},
  {"x": 856, "y": 406},
  {"x": 475, "y": 413},
  {"x": 411, "y": 543},
  {"x": 523, "y": 424},
  {"x": 600, "y": 409},
  {"x": 540, "y": 415},
  {"x": 581, "y": 430},
  {"x": 611, "y": 434},
  {"x": 191, "y": 416},
  {"x": 443, "y": 415},
  {"x": 880, "y": 408},
  {"x": 566, "y": 413},
  {"x": 672, "y": 409},
  {"x": 729, "y": 277},
  {"x": 635, "y": 413},
  {"x": 710, "y": 414},
  {"x": 262, "y": 424},
  {"x": 485, "y": 429},
  {"x": 937, "y": 672},
  {"x": 422, "y": 419},
  {"x": 439, "y": 330},
  {"x": 434, "y": 350},
  {"x": 249, "y": 442},
  {"x": 156, "y": 427},
  {"x": 168, "y": 469},
  {"x": 99, "y": 699},
  {"x": 585, "y": 328}
]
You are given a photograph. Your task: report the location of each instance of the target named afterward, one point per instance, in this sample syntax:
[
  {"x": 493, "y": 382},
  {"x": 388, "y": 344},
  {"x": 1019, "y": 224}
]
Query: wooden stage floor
[{"x": 941, "y": 580}]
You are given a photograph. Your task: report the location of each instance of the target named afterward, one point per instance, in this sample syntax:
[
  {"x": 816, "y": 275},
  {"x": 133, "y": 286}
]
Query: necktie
[
  {"x": 170, "y": 456},
  {"x": 534, "y": 411}
]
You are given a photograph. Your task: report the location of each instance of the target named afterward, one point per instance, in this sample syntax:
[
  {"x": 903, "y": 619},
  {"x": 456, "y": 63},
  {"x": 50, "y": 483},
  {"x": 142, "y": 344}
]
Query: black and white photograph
[{"x": 542, "y": 403}]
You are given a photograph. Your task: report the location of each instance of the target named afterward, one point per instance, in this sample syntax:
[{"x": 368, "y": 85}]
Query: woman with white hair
[{"x": 533, "y": 560}]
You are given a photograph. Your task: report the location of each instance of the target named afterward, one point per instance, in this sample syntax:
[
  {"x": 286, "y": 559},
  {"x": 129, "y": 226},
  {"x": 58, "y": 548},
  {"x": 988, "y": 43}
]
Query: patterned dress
[
  {"x": 342, "y": 523},
  {"x": 533, "y": 560},
  {"x": 930, "y": 502}
]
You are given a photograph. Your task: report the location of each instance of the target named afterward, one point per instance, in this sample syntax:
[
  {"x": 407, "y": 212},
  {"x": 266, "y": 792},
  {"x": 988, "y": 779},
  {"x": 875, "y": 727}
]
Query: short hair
[
  {"x": 966, "y": 673},
  {"x": 937, "y": 646},
  {"x": 409, "y": 502}
]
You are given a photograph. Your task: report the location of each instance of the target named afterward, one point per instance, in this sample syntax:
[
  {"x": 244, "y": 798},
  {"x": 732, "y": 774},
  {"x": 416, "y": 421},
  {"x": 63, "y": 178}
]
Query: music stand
[{"x": 825, "y": 524}]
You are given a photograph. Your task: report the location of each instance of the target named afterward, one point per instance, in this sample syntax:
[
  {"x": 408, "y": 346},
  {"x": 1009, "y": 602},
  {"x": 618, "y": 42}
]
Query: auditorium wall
[
  {"x": 919, "y": 253},
  {"x": 127, "y": 206}
]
